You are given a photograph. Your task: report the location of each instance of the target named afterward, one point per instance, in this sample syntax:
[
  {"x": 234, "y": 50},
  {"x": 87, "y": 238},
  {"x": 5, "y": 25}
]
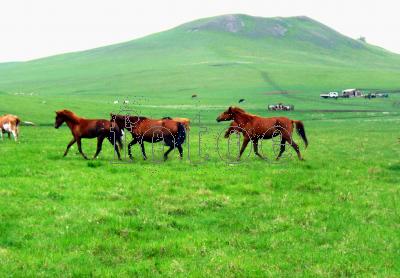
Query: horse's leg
[
  {"x": 294, "y": 146},
  {"x": 78, "y": 141},
  {"x": 143, "y": 150},
  {"x": 246, "y": 140},
  {"x": 99, "y": 144},
  {"x": 133, "y": 142},
  {"x": 171, "y": 147},
  {"x": 283, "y": 147},
  {"x": 69, "y": 146},
  {"x": 297, "y": 149},
  {"x": 115, "y": 147},
  {"x": 255, "y": 145},
  {"x": 180, "y": 149}
]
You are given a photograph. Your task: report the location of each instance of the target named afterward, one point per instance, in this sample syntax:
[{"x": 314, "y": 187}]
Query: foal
[
  {"x": 88, "y": 128},
  {"x": 256, "y": 128}
]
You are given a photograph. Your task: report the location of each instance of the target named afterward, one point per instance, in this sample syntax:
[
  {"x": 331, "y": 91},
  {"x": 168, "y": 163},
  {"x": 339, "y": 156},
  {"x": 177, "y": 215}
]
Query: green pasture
[{"x": 334, "y": 214}]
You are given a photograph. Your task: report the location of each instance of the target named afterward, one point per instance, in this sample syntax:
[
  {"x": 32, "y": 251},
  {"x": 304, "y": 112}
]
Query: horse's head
[
  {"x": 229, "y": 114},
  {"x": 65, "y": 116},
  {"x": 60, "y": 119},
  {"x": 119, "y": 120}
]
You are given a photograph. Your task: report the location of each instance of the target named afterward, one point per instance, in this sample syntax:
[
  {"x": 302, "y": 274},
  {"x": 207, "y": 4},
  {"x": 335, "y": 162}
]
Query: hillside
[{"x": 230, "y": 52}]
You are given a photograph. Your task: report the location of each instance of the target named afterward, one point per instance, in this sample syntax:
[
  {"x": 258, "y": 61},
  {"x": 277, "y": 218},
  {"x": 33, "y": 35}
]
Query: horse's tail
[
  {"x": 181, "y": 136},
  {"x": 301, "y": 131}
]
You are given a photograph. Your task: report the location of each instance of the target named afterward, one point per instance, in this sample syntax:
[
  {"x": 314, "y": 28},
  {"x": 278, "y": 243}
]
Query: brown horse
[
  {"x": 256, "y": 128},
  {"x": 88, "y": 128},
  {"x": 152, "y": 130}
]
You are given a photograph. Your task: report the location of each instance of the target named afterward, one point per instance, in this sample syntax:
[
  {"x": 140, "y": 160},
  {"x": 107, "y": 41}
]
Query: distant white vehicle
[{"x": 330, "y": 95}]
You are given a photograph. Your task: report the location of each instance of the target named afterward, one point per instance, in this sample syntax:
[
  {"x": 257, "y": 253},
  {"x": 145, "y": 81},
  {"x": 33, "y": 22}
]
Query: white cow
[{"x": 9, "y": 124}]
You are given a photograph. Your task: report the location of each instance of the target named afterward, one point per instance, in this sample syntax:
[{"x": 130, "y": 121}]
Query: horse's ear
[{"x": 230, "y": 109}]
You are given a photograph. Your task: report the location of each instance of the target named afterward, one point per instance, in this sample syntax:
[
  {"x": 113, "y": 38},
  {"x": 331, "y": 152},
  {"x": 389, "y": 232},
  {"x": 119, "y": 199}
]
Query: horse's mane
[
  {"x": 68, "y": 114},
  {"x": 127, "y": 118},
  {"x": 237, "y": 109},
  {"x": 241, "y": 111}
]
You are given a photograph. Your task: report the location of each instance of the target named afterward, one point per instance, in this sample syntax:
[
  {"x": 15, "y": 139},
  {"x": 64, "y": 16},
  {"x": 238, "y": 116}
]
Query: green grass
[{"x": 334, "y": 214}]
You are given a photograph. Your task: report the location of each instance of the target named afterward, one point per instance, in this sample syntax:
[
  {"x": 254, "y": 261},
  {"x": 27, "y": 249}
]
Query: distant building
[{"x": 351, "y": 93}]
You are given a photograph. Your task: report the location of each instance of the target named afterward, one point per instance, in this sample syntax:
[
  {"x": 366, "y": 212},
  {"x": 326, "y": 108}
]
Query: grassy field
[{"x": 335, "y": 214}]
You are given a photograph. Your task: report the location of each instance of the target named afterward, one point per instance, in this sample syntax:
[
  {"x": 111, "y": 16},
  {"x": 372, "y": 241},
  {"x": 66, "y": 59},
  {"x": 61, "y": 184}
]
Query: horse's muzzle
[{"x": 218, "y": 119}]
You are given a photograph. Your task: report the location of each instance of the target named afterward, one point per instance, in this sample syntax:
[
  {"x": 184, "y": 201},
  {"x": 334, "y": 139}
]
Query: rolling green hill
[{"x": 237, "y": 53}]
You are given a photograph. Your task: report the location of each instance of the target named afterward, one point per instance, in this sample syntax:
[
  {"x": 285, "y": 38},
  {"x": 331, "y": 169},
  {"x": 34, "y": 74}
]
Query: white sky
[{"x": 37, "y": 28}]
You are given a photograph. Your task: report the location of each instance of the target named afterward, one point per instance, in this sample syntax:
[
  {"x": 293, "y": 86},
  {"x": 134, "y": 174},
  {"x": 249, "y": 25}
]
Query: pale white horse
[{"x": 9, "y": 124}]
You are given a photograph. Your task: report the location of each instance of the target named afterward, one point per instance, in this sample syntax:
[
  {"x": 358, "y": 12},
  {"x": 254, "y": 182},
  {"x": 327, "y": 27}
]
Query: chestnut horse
[
  {"x": 256, "y": 128},
  {"x": 88, "y": 128},
  {"x": 143, "y": 129}
]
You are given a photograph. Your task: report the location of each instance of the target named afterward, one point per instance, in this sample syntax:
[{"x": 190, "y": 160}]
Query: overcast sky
[{"x": 31, "y": 29}]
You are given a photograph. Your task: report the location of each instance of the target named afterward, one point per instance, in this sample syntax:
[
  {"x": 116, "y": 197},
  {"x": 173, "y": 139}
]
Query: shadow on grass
[
  {"x": 94, "y": 163},
  {"x": 395, "y": 167}
]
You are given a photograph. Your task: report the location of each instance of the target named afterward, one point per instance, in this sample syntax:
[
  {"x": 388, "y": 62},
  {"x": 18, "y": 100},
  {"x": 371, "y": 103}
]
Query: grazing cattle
[
  {"x": 9, "y": 124},
  {"x": 256, "y": 128},
  {"x": 88, "y": 128},
  {"x": 152, "y": 130}
]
